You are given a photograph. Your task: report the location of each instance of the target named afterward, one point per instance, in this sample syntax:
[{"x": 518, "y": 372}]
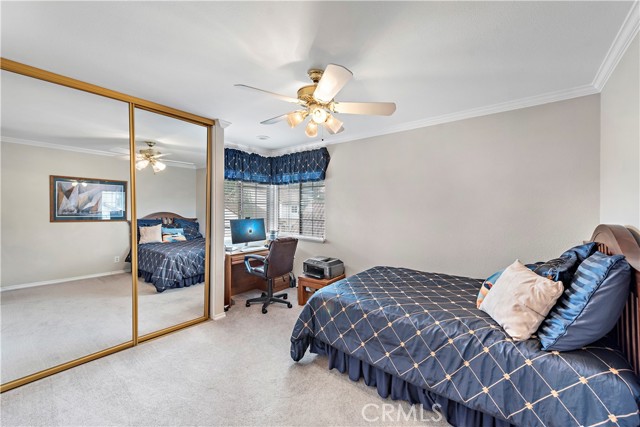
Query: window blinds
[
  {"x": 301, "y": 209},
  {"x": 245, "y": 199}
]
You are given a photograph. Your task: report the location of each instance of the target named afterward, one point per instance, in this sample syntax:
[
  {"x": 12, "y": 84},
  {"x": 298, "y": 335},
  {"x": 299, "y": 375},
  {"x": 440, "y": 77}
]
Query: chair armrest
[{"x": 248, "y": 258}]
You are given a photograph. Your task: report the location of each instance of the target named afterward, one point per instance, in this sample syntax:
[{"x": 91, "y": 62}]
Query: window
[
  {"x": 295, "y": 209},
  {"x": 301, "y": 209},
  {"x": 245, "y": 199}
]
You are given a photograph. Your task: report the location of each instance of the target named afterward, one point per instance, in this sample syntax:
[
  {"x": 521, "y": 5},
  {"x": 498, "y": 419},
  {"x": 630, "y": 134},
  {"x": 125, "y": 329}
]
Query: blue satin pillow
[
  {"x": 583, "y": 252},
  {"x": 590, "y": 306},
  {"x": 559, "y": 269},
  {"x": 191, "y": 228},
  {"x": 564, "y": 267}
]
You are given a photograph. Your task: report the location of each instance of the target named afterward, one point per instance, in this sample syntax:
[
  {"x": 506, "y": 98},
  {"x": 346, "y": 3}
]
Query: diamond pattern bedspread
[
  {"x": 426, "y": 329},
  {"x": 171, "y": 263}
]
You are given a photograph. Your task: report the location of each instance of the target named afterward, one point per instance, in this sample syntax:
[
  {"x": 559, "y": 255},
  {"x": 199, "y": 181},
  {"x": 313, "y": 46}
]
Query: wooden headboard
[
  {"x": 614, "y": 240},
  {"x": 160, "y": 215}
]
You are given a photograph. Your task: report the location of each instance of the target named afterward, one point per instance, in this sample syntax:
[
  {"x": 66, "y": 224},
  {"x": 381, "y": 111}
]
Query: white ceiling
[
  {"x": 39, "y": 113},
  {"x": 433, "y": 59}
]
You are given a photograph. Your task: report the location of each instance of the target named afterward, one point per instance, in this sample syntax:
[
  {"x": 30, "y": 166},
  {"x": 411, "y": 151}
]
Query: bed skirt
[
  {"x": 388, "y": 385},
  {"x": 188, "y": 281}
]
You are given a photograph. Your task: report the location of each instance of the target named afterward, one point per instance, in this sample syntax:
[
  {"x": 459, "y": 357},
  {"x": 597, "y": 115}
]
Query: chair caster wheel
[
  {"x": 289, "y": 305},
  {"x": 285, "y": 296},
  {"x": 247, "y": 305},
  {"x": 264, "y": 311}
]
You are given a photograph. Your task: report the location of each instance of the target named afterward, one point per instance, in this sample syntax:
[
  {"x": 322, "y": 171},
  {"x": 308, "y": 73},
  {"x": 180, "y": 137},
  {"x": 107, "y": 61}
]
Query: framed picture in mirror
[{"x": 87, "y": 199}]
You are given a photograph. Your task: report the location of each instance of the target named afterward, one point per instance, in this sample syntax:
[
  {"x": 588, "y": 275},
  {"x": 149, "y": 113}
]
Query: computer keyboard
[{"x": 252, "y": 248}]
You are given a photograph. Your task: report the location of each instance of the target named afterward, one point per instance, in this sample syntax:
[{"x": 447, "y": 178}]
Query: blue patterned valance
[
  {"x": 300, "y": 167},
  {"x": 288, "y": 169},
  {"x": 241, "y": 166}
]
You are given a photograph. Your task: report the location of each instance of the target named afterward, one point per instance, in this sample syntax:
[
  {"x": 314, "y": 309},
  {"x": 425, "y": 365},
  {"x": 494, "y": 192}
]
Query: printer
[{"x": 321, "y": 267}]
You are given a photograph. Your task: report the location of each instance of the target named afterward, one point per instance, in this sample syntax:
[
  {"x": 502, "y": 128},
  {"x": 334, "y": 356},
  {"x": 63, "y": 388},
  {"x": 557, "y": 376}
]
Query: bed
[
  {"x": 175, "y": 264},
  {"x": 419, "y": 337}
]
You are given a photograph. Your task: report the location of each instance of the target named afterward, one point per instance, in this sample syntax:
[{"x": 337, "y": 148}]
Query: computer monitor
[{"x": 247, "y": 230}]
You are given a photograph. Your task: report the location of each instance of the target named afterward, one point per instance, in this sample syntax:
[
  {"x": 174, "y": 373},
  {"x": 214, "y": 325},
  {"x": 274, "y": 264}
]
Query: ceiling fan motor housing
[{"x": 305, "y": 93}]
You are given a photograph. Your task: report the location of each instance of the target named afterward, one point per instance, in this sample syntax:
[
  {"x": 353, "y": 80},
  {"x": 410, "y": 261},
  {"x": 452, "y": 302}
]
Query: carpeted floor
[
  {"x": 48, "y": 325},
  {"x": 235, "y": 371}
]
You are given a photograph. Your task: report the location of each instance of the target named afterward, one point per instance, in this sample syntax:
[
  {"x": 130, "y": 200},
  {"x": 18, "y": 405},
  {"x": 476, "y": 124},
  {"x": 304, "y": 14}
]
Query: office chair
[{"x": 277, "y": 263}]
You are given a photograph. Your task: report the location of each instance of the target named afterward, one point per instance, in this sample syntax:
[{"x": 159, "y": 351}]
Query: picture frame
[{"x": 76, "y": 199}]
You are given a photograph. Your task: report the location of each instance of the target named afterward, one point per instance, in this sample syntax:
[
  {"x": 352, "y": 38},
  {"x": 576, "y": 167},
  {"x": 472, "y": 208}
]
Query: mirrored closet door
[
  {"x": 66, "y": 290},
  {"x": 171, "y": 207}
]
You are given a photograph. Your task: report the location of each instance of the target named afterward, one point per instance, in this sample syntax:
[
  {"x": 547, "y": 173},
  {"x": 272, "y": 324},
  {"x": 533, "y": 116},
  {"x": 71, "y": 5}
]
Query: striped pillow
[{"x": 590, "y": 307}]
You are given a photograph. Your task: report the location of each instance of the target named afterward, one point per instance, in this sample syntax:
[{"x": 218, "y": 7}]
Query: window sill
[{"x": 304, "y": 238}]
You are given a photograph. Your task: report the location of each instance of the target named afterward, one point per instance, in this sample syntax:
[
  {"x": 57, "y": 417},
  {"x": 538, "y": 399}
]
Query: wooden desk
[
  {"x": 313, "y": 284},
  {"x": 237, "y": 280}
]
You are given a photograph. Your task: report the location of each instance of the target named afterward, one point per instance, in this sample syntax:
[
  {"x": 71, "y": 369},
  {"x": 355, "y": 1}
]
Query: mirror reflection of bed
[
  {"x": 170, "y": 272},
  {"x": 171, "y": 162}
]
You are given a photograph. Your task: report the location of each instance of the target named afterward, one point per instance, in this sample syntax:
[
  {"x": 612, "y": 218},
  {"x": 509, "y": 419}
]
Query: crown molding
[
  {"x": 32, "y": 143},
  {"x": 623, "y": 39},
  {"x": 299, "y": 148},
  {"x": 255, "y": 150},
  {"x": 501, "y": 107},
  {"x": 276, "y": 151}
]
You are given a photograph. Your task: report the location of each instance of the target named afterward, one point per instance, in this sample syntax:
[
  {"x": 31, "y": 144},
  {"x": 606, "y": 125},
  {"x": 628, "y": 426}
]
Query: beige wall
[
  {"x": 466, "y": 197},
  {"x": 620, "y": 142},
  {"x": 201, "y": 199},
  {"x": 35, "y": 250},
  {"x": 172, "y": 190}
]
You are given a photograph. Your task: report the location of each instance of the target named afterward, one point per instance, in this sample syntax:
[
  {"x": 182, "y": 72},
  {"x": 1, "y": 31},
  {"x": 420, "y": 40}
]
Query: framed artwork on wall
[{"x": 87, "y": 199}]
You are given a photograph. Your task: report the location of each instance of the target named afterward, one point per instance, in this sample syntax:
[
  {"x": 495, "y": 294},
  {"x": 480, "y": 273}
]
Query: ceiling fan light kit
[
  {"x": 158, "y": 166},
  {"x": 319, "y": 104},
  {"x": 333, "y": 125},
  {"x": 296, "y": 117},
  {"x": 312, "y": 129},
  {"x": 150, "y": 156}
]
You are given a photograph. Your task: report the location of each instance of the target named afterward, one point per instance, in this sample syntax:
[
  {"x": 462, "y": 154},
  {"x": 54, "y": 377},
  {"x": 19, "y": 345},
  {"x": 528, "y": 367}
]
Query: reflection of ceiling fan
[
  {"x": 150, "y": 156},
  {"x": 317, "y": 102}
]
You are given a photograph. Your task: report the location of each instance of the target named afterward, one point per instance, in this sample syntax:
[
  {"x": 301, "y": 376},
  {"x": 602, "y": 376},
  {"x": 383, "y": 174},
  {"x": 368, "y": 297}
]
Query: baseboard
[
  {"x": 55, "y": 281},
  {"x": 219, "y": 316}
]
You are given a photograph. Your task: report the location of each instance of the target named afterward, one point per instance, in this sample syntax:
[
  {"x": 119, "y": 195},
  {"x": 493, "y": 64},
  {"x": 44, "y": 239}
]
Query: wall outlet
[{"x": 116, "y": 259}]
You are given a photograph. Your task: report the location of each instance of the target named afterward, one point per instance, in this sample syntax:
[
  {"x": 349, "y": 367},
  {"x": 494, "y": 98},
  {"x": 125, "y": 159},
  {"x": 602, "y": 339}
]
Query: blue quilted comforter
[
  {"x": 425, "y": 329},
  {"x": 172, "y": 265}
]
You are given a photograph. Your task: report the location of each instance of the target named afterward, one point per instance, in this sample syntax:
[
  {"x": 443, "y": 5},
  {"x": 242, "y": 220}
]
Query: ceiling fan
[
  {"x": 317, "y": 101},
  {"x": 150, "y": 156}
]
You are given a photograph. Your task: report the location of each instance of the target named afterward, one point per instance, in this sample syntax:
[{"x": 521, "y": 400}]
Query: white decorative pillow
[
  {"x": 520, "y": 300},
  {"x": 151, "y": 234}
]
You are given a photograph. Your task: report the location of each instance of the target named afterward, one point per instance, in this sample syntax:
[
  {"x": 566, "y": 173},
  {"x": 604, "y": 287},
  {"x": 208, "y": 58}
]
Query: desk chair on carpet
[{"x": 277, "y": 263}]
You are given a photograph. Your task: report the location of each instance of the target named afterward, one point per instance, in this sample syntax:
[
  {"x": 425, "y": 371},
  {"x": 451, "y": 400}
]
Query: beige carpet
[
  {"x": 48, "y": 325},
  {"x": 235, "y": 371}
]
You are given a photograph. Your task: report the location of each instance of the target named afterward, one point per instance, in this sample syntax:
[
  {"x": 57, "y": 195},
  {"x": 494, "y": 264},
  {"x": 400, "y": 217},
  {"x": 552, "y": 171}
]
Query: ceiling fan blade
[
  {"x": 157, "y": 156},
  {"x": 280, "y": 97},
  {"x": 332, "y": 132},
  {"x": 369, "y": 108},
  {"x": 274, "y": 120},
  {"x": 333, "y": 80}
]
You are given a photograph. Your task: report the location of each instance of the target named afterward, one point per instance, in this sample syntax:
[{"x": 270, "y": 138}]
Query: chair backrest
[{"x": 280, "y": 257}]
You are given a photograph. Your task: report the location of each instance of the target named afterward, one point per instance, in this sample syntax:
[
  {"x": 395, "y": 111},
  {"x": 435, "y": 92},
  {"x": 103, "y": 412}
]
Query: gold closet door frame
[{"x": 134, "y": 102}]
